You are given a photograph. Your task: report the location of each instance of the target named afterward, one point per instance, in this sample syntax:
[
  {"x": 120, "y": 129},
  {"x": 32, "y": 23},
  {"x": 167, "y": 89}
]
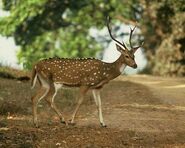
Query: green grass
[{"x": 11, "y": 73}]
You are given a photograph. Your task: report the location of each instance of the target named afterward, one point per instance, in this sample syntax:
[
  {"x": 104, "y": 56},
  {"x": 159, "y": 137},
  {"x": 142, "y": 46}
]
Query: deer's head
[{"x": 126, "y": 54}]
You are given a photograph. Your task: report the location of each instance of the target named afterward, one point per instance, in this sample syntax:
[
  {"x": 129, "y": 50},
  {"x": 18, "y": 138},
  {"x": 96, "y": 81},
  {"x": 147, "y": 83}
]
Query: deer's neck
[
  {"x": 117, "y": 67},
  {"x": 120, "y": 64}
]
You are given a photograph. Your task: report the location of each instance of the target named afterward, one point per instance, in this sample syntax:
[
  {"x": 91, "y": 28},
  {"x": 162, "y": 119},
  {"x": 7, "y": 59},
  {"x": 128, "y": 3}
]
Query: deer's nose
[{"x": 135, "y": 66}]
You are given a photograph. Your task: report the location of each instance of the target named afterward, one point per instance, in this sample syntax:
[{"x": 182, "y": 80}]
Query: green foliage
[
  {"x": 20, "y": 11},
  {"x": 163, "y": 28},
  {"x": 45, "y": 28},
  {"x": 48, "y": 28}
]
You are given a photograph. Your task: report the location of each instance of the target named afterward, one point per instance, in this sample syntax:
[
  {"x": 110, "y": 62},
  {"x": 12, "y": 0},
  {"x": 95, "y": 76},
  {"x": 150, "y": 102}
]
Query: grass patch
[
  {"x": 11, "y": 73},
  {"x": 10, "y": 107}
]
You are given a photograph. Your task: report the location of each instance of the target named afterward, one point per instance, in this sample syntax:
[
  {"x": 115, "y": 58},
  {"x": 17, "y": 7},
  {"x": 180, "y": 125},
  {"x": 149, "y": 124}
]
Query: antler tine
[
  {"x": 131, "y": 32},
  {"x": 133, "y": 48},
  {"x": 138, "y": 46},
  {"x": 108, "y": 26}
]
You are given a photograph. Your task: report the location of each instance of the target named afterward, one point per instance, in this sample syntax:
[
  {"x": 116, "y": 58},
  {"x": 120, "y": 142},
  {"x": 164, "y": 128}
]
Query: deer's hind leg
[
  {"x": 41, "y": 93},
  {"x": 50, "y": 99}
]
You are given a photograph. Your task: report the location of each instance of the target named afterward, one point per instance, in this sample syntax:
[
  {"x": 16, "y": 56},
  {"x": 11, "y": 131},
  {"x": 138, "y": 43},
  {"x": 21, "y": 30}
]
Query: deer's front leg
[
  {"x": 96, "y": 95},
  {"x": 82, "y": 92}
]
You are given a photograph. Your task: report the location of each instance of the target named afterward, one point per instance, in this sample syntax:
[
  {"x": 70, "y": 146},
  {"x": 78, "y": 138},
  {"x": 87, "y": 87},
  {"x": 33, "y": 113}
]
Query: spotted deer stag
[{"x": 87, "y": 74}]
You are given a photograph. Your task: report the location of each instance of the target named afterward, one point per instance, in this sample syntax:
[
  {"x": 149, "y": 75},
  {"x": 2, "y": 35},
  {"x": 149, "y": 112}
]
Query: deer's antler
[
  {"x": 130, "y": 38},
  {"x": 109, "y": 29}
]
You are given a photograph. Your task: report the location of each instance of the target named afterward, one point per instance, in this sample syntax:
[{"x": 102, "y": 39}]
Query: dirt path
[
  {"x": 155, "y": 105},
  {"x": 170, "y": 90},
  {"x": 140, "y": 111}
]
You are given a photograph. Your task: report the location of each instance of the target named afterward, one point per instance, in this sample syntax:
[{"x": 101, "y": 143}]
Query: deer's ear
[{"x": 120, "y": 49}]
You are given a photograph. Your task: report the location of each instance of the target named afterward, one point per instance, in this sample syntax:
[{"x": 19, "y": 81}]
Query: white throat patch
[{"x": 122, "y": 68}]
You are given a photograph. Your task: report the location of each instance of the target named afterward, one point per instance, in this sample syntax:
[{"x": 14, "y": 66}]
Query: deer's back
[{"x": 73, "y": 72}]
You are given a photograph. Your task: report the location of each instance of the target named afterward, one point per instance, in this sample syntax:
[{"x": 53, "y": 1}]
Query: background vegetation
[{"x": 46, "y": 28}]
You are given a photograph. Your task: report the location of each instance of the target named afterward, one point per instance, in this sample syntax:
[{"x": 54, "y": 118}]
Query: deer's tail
[{"x": 33, "y": 77}]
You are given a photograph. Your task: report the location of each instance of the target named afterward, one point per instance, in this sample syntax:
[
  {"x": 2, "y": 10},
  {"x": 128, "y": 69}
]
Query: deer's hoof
[
  {"x": 36, "y": 125},
  {"x": 71, "y": 123},
  {"x": 64, "y": 122},
  {"x": 103, "y": 125}
]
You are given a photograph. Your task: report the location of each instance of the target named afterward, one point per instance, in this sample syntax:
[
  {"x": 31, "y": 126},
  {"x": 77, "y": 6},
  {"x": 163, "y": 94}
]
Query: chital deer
[{"x": 87, "y": 74}]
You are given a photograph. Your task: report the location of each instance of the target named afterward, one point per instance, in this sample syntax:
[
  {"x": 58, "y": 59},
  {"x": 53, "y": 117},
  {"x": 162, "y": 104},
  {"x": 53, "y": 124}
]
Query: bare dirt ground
[{"x": 140, "y": 111}]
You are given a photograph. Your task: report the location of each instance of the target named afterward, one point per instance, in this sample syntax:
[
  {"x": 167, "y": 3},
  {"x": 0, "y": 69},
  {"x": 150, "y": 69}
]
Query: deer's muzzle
[{"x": 135, "y": 66}]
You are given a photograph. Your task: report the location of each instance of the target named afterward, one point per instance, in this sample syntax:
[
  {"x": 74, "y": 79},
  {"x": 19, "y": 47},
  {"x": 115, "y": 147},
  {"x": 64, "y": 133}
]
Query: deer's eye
[{"x": 127, "y": 56}]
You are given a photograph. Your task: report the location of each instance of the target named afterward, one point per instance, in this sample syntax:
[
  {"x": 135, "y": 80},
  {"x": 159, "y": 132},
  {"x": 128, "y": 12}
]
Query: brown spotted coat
[{"x": 78, "y": 72}]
